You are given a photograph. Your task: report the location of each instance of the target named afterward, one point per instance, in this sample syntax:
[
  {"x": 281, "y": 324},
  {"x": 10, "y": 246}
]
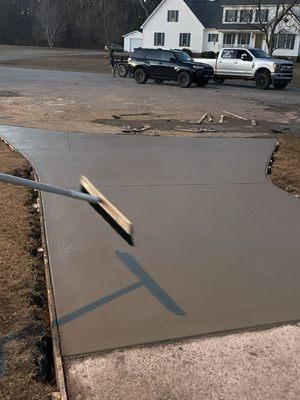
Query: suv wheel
[
  {"x": 122, "y": 71},
  {"x": 262, "y": 80},
  {"x": 201, "y": 83},
  {"x": 140, "y": 76},
  {"x": 184, "y": 79},
  {"x": 158, "y": 80},
  {"x": 280, "y": 85}
]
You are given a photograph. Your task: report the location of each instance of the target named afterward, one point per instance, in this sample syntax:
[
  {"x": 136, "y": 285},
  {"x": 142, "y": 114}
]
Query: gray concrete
[{"x": 216, "y": 244}]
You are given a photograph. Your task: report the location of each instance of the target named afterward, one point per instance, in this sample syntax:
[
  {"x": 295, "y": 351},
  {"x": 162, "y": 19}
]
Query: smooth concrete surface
[{"x": 217, "y": 245}]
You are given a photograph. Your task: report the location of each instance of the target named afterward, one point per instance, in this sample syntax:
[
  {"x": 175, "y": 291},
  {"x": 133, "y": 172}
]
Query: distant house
[{"x": 209, "y": 25}]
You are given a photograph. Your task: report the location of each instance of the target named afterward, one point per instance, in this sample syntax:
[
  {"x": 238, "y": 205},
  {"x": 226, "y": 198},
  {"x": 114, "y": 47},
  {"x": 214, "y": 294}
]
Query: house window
[
  {"x": 231, "y": 15},
  {"x": 243, "y": 39},
  {"x": 246, "y": 16},
  {"x": 229, "y": 38},
  {"x": 285, "y": 41},
  {"x": 159, "y": 39},
  {"x": 173, "y": 15},
  {"x": 184, "y": 40},
  {"x": 262, "y": 15},
  {"x": 213, "y": 37}
]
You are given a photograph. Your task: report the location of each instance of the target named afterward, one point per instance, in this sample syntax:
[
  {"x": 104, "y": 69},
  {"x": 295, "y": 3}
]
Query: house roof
[
  {"x": 132, "y": 33},
  {"x": 210, "y": 12}
]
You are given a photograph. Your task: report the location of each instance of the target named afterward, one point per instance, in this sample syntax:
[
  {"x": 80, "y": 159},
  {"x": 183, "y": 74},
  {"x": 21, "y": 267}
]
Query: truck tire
[
  {"x": 140, "y": 76},
  {"x": 219, "y": 81},
  {"x": 263, "y": 80},
  {"x": 280, "y": 85},
  {"x": 122, "y": 71},
  {"x": 184, "y": 79}
]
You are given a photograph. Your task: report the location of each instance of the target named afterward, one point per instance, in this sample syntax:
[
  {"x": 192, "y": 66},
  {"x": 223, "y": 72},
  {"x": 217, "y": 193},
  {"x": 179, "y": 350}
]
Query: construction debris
[
  {"x": 253, "y": 122},
  {"x": 202, "y": 119},
  {"x": 235, "y": 115},
  {"x": 279, "y": 130},
  {"x": 199, "y": 130},
  {"x": 221, "y": 120},
  {"x": 129, "y": 129},
  {"x": 128, "y": 115}
]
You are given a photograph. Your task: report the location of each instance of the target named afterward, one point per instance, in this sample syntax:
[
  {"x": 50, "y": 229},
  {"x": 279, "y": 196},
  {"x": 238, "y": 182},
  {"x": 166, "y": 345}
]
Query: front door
[{"x": 258, "y": 40}]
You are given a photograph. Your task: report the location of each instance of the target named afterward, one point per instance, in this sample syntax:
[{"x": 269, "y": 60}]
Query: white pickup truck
[{"x": 251, "y": 64}]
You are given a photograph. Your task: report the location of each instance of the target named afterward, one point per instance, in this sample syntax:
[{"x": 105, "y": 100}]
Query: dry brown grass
[
  {"x": 286, "y": 168},
  {"x": 81, "y": 63},
  {"x": 24, "y": 323}
]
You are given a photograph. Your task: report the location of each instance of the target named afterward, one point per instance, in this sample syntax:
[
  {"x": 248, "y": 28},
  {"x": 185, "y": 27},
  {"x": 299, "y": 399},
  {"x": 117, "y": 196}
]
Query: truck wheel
[
  {"x": 122, "y": 71},
  {"x": 184, "y": 79},
  {"x": 262, "y": 80},
  {"x": 140, "y": 76},
  {"x": 201, "y": 83},
  {"x": 158, "y": 80},
  {"x": 280, "y": 85},
  {"x": 219, "y": 81}
]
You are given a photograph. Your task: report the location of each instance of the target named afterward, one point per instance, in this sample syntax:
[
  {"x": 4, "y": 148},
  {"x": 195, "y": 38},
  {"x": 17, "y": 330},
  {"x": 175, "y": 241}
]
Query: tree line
[{"x": 71, "y": 23}]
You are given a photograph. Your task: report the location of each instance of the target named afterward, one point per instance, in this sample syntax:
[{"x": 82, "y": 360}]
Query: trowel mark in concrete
[{"x": 145, "y": 281}]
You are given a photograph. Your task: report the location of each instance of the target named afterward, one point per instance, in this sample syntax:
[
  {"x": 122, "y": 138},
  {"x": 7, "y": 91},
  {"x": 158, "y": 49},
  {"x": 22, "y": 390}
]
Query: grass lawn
[
  {"x": 24, "y": 322},
  {"x": 79, "y": 63}
]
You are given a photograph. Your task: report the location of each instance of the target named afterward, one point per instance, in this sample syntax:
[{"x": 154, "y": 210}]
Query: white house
[{"x": 209, "y": 25}]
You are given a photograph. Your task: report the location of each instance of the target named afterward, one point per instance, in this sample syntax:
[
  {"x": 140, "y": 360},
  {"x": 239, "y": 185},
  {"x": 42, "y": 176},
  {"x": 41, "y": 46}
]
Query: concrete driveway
[{"x": 216, "y": 244}]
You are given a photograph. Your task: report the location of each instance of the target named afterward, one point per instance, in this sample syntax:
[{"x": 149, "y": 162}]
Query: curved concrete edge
[{"x": 57, "y": 354}]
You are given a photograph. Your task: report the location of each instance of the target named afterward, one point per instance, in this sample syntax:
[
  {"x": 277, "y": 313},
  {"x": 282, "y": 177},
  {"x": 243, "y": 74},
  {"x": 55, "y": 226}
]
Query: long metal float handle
[{"x": 48, "y": 188}]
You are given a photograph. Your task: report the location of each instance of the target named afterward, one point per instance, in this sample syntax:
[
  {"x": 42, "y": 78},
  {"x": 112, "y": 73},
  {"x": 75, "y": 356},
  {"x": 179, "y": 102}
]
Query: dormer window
[
  {"x": 173, "y": 15},
  {"x": 231, "y": 15},
  {"x": 246, "y": 16},
  {"x": 262, "y": 15}
]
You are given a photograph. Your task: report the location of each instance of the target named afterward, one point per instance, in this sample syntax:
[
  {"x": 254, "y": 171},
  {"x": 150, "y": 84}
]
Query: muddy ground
[{"x": 26, "y": 370}]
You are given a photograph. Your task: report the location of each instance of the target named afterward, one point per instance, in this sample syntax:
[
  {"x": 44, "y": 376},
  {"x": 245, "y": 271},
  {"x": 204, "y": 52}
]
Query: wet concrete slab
[{"x": 217, "y": 245}]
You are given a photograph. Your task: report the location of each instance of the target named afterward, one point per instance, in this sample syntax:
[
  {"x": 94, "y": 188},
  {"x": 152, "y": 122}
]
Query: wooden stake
[
  {"x": 202, "y": 119},
  {"x": 235, "y": 115}
]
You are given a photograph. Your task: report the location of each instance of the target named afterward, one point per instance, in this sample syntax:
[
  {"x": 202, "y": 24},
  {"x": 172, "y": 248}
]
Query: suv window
[
  {"x": 139, "y": 53},
  {"x": 153, "y": 55},
  {"x": 167, "y": 56},
  {"x": 228, "y": 54}
]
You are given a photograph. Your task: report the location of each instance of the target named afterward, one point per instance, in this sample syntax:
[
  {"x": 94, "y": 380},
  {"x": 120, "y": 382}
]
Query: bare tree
[
  {"x": 50, "y": 20},
  {"x": 274, "y": 21}
]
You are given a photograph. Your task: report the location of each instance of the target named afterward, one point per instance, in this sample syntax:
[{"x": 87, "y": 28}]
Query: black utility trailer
[{"x": 119, "y": 63}]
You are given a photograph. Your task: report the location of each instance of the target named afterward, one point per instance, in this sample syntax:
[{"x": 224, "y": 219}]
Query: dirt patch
[
  {"x": 26, "y": 367},
  {"x": 286, "y": 167},
  {"x": 81, "y": 63},
  {"x": 230, "y": 125}
]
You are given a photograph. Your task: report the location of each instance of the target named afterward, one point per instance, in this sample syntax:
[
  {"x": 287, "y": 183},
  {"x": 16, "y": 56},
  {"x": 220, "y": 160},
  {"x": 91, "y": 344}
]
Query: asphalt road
[{"x": 216, "y": 244}]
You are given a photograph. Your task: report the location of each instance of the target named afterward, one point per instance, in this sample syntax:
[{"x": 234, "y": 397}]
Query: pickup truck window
[
  {"x": 239, "y": 54},
  {"x": 260, "y": 53},
  {"x": 228, "y": 54}
]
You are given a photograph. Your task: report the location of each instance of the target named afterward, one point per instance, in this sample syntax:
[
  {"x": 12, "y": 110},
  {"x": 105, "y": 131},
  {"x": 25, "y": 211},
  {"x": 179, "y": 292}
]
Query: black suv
[{"x": 171, "y": 65}]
